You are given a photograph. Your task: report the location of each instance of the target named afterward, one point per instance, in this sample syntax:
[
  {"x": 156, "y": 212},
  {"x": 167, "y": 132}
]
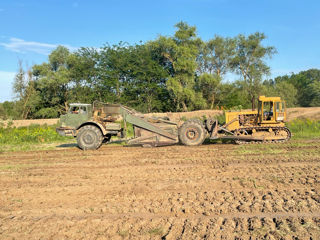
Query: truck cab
[
  {"x": 90, "y": 124},
  {"x": 77, "y": 114}
]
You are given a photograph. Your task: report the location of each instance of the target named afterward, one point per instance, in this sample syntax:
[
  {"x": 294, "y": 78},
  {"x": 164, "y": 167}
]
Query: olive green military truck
[{"x": 95, "y": 124}]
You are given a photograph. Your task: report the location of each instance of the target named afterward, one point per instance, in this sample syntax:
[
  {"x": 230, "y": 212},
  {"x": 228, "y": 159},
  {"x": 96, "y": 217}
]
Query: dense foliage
[{"x": 171, "y": 73}]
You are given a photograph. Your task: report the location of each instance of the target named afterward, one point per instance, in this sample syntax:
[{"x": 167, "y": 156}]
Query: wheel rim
[
  {"x": 89, "y": 138},
  {"x": 192, "y": 134}
]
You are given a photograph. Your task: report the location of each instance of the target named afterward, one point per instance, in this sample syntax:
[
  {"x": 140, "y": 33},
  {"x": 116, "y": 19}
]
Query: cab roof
[
  {"x": 80, "y": 104},
  {"x": 269, "y": 99}
]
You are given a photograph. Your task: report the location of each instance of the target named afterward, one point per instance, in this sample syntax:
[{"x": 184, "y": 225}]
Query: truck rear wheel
[
  {"x": 192, "y": 133},
  {"x": 89, "y": 137}
]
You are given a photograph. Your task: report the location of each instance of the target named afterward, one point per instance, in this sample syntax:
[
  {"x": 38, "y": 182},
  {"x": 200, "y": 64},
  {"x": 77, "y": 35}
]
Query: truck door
[{"x": 76, "y": 116}]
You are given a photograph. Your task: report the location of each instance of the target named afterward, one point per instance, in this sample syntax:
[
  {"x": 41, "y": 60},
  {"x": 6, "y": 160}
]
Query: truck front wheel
[{"x": 89, "y": 137}]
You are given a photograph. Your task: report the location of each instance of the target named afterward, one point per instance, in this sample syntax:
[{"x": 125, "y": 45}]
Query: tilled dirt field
[{"x": 213, "y": 191}]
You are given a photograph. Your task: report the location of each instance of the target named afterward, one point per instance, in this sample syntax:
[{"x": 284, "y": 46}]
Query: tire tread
[
  {"x": 98, "y": 133},
  {"x": 182, "y": 132}
]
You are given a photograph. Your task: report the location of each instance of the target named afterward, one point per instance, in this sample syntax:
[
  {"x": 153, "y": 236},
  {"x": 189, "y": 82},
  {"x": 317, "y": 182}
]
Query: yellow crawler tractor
[{"x": 260, "y": 126}]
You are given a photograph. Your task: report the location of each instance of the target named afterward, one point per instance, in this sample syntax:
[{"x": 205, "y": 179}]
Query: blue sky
[{"x": 30, "y": 29}]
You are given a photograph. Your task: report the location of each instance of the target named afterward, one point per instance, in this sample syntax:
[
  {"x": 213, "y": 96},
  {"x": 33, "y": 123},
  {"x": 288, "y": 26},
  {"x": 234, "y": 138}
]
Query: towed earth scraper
[{"x": 95, "y": 124}]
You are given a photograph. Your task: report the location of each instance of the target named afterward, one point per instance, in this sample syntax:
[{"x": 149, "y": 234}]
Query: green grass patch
[
  {"x": 41, "y": 137},
  {"x": 130, "y": 132},
  {"x": 30, "y": 134},
  {"x": 123, "y": 233},
  {"x": 260, "y": 149},
  {"x": 304, "y": 128},
  {"x": 66, "y": 143},
  {"x": 155, "y": 231}
]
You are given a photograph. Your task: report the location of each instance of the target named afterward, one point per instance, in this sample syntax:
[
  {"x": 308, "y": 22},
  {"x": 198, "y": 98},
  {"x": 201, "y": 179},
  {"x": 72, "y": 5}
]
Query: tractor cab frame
[{"x": 271, "y": 110}]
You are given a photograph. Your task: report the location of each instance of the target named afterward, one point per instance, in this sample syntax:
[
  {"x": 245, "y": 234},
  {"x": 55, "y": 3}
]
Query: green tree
[
  {"x": 213, "y": 63},
  {"x": 174, "y": 73},
  {"x": 249, "y": 63},
  {"x": 208, "y": 85},
  {"x": 53, "y": 83},
  {"x": 306, "y": 82},
  {"x": 232, "y": 96},
  {"x": 282, "y": 89},
  {"x": 10, "y": 110},
  {"x": 113, "y": 67},
  {"x": 85, "y": 76},
  {"x": 145, "y": 88},
  {"x": 216, "y": 55},
  {"x": 314, "y": 89},
  {"x": 24, "y": 89},
  {"x": 180, "y": 59}
]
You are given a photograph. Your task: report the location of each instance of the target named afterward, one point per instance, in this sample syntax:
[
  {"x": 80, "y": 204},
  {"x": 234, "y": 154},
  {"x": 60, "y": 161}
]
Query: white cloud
[
  {"x": 6, "y": 81},
  {"x": 22, "y": 46}
]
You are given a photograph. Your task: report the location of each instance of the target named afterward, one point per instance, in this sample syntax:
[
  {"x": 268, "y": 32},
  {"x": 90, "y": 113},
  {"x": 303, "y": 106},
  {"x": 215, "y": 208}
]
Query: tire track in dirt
[{"x": 206, "y": 192}]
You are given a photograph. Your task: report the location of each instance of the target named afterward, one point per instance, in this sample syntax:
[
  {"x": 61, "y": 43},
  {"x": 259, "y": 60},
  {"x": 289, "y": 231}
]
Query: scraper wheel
[{"x": 192, "y": 133}]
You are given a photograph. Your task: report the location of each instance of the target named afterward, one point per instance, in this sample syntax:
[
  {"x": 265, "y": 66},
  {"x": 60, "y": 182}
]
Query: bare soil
[
  {"x": 311, "y": 113},
  {"x": 213, "y": 191}
]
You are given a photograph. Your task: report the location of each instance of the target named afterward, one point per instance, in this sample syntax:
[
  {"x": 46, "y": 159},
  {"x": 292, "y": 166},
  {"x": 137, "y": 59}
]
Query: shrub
[
  {"x": 30, "y": 134},
  {"x": 304, "y": 128}
]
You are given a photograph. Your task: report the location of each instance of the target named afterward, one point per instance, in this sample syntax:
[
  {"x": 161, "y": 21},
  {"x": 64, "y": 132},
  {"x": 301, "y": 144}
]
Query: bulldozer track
[{"x": 267, "y": 141}]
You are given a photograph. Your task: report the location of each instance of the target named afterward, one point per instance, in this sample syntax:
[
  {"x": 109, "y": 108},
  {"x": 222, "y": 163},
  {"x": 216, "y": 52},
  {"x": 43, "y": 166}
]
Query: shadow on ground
[{"x": 67, "y": 145}]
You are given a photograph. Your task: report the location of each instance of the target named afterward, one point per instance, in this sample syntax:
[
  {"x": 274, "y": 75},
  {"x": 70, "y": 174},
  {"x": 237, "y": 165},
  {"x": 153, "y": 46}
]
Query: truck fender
[{"x": 98, "y": 125}]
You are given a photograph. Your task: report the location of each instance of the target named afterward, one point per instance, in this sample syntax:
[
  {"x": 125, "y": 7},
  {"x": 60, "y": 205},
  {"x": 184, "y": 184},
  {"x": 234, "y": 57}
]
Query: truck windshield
[{"x": 78, "y": 110}]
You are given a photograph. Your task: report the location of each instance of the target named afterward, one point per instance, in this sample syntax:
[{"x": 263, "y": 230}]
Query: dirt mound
[
  {"x": 311, "y": 113},
  {"x": 180, "y": 116}
]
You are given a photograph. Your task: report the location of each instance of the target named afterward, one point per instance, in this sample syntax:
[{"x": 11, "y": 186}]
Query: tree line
[{"x": 171, "y": 73}]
